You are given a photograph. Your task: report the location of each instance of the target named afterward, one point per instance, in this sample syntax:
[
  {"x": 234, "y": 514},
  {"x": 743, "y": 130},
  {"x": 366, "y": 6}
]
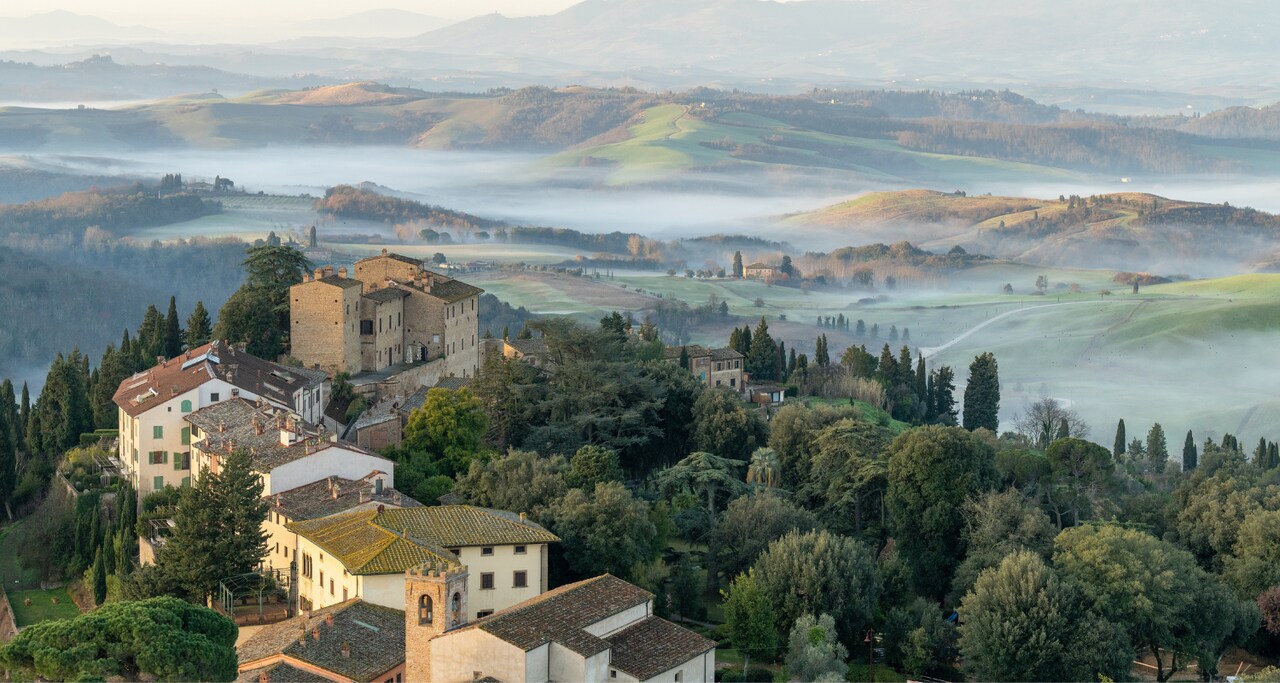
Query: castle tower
[{"x": 435, "y": 601}]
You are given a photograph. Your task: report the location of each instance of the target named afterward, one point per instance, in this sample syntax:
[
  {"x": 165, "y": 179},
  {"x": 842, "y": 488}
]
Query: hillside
[
  {"x": 1123, "y": 231},
  {"x": 627, "y": 136}
]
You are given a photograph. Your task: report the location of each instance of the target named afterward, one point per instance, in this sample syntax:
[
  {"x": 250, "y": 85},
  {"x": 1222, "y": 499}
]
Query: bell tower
[{"x": 435, "y": 601}]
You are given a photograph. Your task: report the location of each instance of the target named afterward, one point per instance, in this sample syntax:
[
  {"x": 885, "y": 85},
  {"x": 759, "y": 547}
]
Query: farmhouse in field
[
  {"x": 761, "y": 271},
  {"x": 721, "y": 367}
]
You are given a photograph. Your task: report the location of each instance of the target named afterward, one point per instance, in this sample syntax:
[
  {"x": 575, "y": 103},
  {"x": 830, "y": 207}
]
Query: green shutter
[
  {"x": 157, "y": 483},
  {"x": 186, "y": 406},
  {"x": 177, "y": 461},
  {"x": 186, "y": 436},
  {"x": 157, "y": 432},
  {"x": 186, "y": 481},
  {"x": 164, "y": 457}
]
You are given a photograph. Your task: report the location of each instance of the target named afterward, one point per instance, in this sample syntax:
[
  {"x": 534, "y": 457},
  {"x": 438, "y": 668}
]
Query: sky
[{"x": 166, "y": 12}]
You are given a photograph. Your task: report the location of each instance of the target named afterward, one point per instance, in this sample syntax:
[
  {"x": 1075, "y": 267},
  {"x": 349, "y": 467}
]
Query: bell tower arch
[{"x": 435, "y": 601}]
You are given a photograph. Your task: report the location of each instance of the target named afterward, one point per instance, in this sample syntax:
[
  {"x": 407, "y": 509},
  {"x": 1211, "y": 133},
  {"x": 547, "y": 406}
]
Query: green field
[
  {"x": 671, "y": 139},
  {"x": 42, "y": 607}
]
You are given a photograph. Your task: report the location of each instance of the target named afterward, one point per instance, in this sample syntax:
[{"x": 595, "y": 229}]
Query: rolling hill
[{"x": 1123, "y": 231}]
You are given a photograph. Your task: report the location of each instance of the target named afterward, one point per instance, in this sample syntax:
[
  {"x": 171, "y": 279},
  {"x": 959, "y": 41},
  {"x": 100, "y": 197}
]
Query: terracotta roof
[
  {"x": 386, "y": 294},
  {"x": 374, "y": 636},
  {"x": 280, "y": 672},
  {"x": 382, "y": 411},
  {"x": 654, "y": 645},
  {"x": 394, "y": 540},
  {"x": 453, "y": 290},
  {"x": 336, "y": 495},
  {"x": 529, "y": 347},
  {"x": 694, "y": 350},
  {"x": 215, "y": 360},
  {"x": 563, "y": 614},
  {"x": 415, "y": 400},
  {"x": 760, "y": 266},
  {"x": 452, "y": 383},
  {"x": 239, "y": 424}
]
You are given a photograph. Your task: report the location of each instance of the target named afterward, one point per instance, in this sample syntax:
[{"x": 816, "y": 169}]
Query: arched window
[
  {"x": 425, "y": 612},
  {"x": 456, "y": 610},
  {"x": 186, "y": 406}
]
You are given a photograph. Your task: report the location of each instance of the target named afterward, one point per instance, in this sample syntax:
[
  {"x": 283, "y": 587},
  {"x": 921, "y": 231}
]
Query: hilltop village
[{"x": 351, "y": 477}]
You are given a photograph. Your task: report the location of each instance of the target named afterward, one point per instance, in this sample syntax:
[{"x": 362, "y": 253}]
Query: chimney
[
  {"x": 524, "y": 517},
  {"x": 222, "y": 427},
  {"x": 160, "y": 360},
  {"x": 328, "y": 619},
  {"x": 315, "y": 633},
  {"x": 235, "y": 392},
  {"x": 342, "y": 272},
  {"x": 319, "y": 273},
  {"x": 264, "y": 677},
  {"x": 328, "y": 270},
  {"x": 346, "y": 650},
  {"x": 381, "y": 509},
  {"x": 384, "y": 251},
  {"x": 257, "y": 426}
]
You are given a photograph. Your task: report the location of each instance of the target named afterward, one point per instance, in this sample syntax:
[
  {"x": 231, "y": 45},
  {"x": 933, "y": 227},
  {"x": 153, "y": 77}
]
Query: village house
[
  {"x": 722, "y": 367},
  {"x": 365, "y": 554},
  {"x": 761, "y": 271},
  {"x": 393, "y": 311},
  {"x": 154, "y": 447},
  {"x": 599, "y": 630}
]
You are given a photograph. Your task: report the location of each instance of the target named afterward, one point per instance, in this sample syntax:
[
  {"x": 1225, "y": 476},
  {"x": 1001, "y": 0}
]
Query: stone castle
[{"x": 392, "y": 312}]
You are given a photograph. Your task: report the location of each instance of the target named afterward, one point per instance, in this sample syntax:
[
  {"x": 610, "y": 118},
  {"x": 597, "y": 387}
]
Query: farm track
[{"x": 929, "y": 352}]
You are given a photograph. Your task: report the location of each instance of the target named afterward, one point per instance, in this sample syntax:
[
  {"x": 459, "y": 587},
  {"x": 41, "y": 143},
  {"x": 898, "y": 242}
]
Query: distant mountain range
[
  {"x": 66, "y": 28},
  {"x": 1152, "y": 42}
]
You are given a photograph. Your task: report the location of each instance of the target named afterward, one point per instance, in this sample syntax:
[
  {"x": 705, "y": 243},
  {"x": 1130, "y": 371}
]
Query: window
[
  {"x": 195, "y": 431},
  {"x": 486, "y": 551},
  {"x": 366, "y": 327},
  {"x": 613, "y": 673},
  {"x": 330, "y": 586},
  {"x": 520, "y": 550},
  {"x": 157, "y": 432},
  {"x": 158, "y": 457},
  {"x": 425, "y": 612},
  {"x": 322, "y": 578},
  {"x": 344, "y": 593},
  {"x": 483, "y": 613},
  {"x": 486, "y": 581},
  {"x": 157, "y": 483},
  {"x": 679, "y": 676},
  {"x": 520, "y": 579},
  {"x": 306, "y": 565},
  {"x": 186, "y": 436},
  {"x": 186, "y": 406},
  {"x": 277, "y": 551},
  {"x": 214, "y": 397}
]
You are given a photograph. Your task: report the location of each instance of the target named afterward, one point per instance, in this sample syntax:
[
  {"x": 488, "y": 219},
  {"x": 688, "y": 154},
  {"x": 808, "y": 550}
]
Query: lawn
[
  {"x": 42, "y": 607},
  {"x": 14, "y": 575}
]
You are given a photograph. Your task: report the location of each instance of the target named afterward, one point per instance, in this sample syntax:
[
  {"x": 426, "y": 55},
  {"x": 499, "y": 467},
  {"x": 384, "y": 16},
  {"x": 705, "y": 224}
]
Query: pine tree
[
  {"x": 199, "y": 327},
  {"x": 1190, "y": 456},
  {"x": 1117, "y": 450},
  {"x": 982, "y": 394},
  {"x": 887, "y": 369},
  {"x": 172, "y": 332}
]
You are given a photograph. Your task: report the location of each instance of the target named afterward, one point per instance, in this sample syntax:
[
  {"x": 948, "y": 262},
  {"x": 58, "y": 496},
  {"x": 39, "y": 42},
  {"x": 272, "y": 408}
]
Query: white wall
[
  {"x": 566, "y": 665},
  {"x": 503, "y": 564},
  {"x": 456, "y": 656},
  {"x": 335, "y": 461},
  {"x": 619, "y": 621}
]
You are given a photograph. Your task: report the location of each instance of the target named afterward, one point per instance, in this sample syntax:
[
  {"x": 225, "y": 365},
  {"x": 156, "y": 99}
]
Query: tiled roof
[
  {"x": 454, "y": 526},
  {"x": 150, "y": 388},
  {"x": 380, "y": 412},
  {"x": 452, "y": 383},
  {"x": 760, "y": 266},
  {"x": 339, "y": 281},
  {"x": 366, "y": 548},
  {"x": 386, "y": 294},
  {"x": 398, "y": 257},
  {"x": 415, "y": 400},
  {"x": 724, "y": 353},
  {"x": 561, "y": 615},
  {"x": 280, "y": 672},
  {"x": 654, "y": 645},
  {"x": 394, "y": 540},
  {"x": 529, "y": 347},
  {"x": 336, "y": 495},
  {"x": 235, "y": 424},
  {"x": 454, "y": 290},
  {"x": 694, "y": 350},
  {"x": 374, "y": 636}
]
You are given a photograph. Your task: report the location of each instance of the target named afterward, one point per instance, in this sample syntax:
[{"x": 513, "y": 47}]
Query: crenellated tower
[{"x": 435, "y": 601}]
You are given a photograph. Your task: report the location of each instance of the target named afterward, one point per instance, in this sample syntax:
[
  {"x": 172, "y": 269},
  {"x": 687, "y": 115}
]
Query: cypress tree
[
  {"x": 9, "y": 437},
  {"x": 172, "y": 331},
  {"x": 820, "y": 354},
  {"x": 791, "y": 363},
  {"x": 737, "y": 264},
  {"x": 762, "y": 360},
  {"x": 922, "y": 380},
  {"x": 1117, "y": 449},
  {"x": 1260, "y": 453},
  {"x": 782, "y": 360},
  {"x": 199, "y": 326},
  {"x": 942, "y": 389},
  {"x": 982, "y": 394},
  {"x": 1189, "y": 454},
  {"x": 875, "y": 330},
  {"x": 1157, "y": 448},
  {"x": 1064, "y": 430},
  {"x": 860, "y": 328},
  {"x": 887, "y": 367},
  {"x": 1273, "y": 454},
  {"x": 684, "y": 357},
  {"x": 24, "y": 414},
  {"x": 99, "y": 579}
]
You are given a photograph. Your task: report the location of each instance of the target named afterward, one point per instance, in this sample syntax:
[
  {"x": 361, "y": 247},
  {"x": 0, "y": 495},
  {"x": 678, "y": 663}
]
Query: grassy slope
[{"x": 42, "y": 607}]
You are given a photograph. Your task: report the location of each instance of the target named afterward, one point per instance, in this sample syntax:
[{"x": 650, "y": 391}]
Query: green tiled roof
[{"x": 392, "y": 541}]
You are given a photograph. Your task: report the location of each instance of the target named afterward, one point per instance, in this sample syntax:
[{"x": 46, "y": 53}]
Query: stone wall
[{"x": 323, "y": 327}]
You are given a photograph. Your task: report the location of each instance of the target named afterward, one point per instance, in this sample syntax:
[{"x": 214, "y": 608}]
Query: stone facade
[
  {"x": 400, "y": 312},
  {"x": 435, "y": 601}
]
